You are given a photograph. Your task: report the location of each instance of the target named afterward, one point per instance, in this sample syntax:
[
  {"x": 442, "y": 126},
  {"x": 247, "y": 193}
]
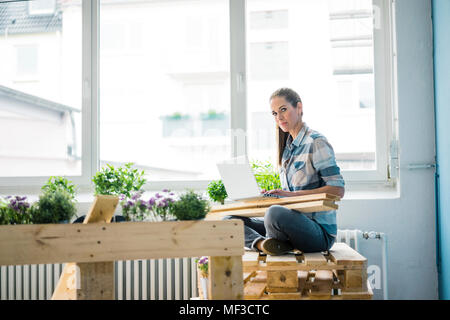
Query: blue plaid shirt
[{"x": 308, "y": 163}]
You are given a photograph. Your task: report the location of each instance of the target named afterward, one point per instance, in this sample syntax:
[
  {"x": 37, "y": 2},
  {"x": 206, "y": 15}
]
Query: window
[
  {"x": 328, "y": 57},
  {"x": 27, "y": 60},
  {"x": 40, "y": 92},
  {"x": 166, "y": 107},
  {"x": 176, "y": 86},
  {"x": 41, "y": 7}
]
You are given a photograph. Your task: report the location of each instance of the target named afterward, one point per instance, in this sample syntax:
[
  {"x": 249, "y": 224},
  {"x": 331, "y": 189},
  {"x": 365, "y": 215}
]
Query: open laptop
[{"x": 239, "y": 180}]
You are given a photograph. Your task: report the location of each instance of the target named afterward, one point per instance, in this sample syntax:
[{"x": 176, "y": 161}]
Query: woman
[{"x": 307, "y": 166}]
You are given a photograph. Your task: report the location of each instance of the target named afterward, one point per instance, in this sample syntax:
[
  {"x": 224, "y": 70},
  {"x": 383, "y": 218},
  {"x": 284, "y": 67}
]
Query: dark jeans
[{"x": 285, "y": 224}]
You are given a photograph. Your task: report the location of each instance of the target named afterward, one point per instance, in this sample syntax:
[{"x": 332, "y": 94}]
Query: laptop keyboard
[{"x": 270, "y": 195}]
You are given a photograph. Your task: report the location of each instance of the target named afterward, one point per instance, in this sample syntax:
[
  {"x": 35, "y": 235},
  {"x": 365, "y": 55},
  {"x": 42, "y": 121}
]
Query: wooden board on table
[
  {"x": 267, "y": 202},
  {"x": 305, "y": 207},
  {"x": 98, "y": 242}
]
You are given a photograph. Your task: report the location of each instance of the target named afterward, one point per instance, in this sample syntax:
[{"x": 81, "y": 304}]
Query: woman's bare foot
[{"x": 258, "y": 245}]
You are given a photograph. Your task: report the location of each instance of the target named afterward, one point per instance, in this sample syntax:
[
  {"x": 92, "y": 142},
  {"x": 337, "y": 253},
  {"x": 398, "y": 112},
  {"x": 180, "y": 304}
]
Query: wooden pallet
[{"x": 340, "y": 273}]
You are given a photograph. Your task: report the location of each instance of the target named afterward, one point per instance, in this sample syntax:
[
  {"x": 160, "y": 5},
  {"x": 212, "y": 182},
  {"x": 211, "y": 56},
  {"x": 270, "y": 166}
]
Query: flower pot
[{"x": 204, "y": 287}]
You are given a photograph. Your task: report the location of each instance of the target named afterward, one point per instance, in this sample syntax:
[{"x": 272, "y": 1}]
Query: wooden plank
[
  {"x": 304, "y": 207},
  {"x": 96, "y": 242},
  {"x": 250, "y": 258},
  {"x": 96, "y": 281},
  {"x": 282, "y": 289},
  {"x": 225, "y": 278},
  {"x": 261, "y": 276},
  {"x": 282, "y": 279},
  {"x": 281, "y": 260},
  {"x": 364, "y": 295},
  {"x": 284, "y": 296},
  {"x": 314, "y": 259},
  {"x": 302, "y": 279},
  {"x": 254, "y": 290},
  {"x": 323, "y": 281},
  {"x": 342, "y": 254},
  {"x": 102, "y": 210},
  {"x": 267, "y": 202},
  {"x": 248, "y": 275},
  {"x": 353, "y": 280}
]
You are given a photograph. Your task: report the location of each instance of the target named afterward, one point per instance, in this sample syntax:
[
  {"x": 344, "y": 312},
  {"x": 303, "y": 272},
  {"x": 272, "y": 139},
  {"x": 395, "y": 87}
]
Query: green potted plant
[
  {"x": 177, "y": 124},
  {"x": 116, "y": 181},
  {"x": 216, "y": 191},
  {"x": 214, "y": 123},
  {"x": 57, "y": 202},
  {"x": 57, "y": 206},
  {"x": 124, "y": 182},
  {"x": 266, "y": 176},
  {"x": 190, "y": 206},
  {"x": 59, "y": 183}
]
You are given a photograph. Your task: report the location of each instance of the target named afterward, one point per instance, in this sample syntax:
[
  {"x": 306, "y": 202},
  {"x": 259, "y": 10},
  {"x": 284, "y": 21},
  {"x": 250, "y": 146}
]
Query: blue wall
[{"x": 441, "y": 30}]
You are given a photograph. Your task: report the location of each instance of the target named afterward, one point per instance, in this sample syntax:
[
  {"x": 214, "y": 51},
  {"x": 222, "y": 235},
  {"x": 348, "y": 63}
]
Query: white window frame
[{"x": 385, "y": 90}]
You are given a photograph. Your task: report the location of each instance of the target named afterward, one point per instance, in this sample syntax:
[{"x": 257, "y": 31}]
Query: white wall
[{"x": 408, "y": 220}]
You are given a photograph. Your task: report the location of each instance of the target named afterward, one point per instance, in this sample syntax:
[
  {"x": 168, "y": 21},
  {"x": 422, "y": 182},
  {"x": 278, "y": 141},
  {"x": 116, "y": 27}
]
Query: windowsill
[{"x": 85, "y": 196}]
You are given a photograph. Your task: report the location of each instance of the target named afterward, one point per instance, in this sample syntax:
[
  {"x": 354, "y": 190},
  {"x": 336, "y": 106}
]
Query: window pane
[
  {"x": 40, "y": 89},
  {"x": 324, "y": 51},
  {"x": 164, "y": 86}
]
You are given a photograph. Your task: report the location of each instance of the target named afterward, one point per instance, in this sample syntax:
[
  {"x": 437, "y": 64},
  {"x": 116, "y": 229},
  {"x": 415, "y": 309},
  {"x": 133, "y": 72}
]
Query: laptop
[{"x": 239, "y": 180}]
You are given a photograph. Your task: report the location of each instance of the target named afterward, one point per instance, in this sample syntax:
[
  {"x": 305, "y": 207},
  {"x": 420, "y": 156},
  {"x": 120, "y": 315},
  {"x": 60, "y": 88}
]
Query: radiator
[{"x": 161, "y": 279}]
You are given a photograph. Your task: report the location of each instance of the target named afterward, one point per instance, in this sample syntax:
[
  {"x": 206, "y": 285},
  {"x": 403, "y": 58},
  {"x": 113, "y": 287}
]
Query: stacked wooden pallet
[
  {"x": 340, "y": 273},
  {"x": 257, "y": 208}
]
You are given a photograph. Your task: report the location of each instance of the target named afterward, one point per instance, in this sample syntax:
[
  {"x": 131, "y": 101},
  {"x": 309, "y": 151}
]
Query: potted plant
[
  {"x": 266, "y": 176},
  {"x": 124, "y": 182},
  {"x": 214, "y": 123},
  {"x": 190, "y": 206},
  {"x": 177, "y": 124},
  {"x": 161, "y": 205},
  {"x": 202, "y": 271},
  {"x": 54, "y": 207},
  {"x": 57, "y": 203},
  {"x": 14, "y": 210},
  {"x": 216, "y": 191}
]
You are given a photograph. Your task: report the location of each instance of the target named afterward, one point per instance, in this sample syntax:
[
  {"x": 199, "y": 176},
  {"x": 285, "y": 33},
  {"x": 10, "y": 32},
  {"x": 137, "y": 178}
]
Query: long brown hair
[{"x": 293, "y": 98}]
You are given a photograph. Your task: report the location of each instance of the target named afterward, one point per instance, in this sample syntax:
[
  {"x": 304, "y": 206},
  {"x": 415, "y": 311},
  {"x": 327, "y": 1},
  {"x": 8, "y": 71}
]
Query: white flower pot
[{"x": 204, "y": 285}]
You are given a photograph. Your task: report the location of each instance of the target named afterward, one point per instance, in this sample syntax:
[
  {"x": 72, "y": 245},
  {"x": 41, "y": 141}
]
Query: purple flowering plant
[
  {"x": 160, "y": 205},
  {"x": 202, "y": 265},
  {"x": 134, "y": 208},
  {"x": 156, "y": 208},
  {"x": 15, "y": 210}
]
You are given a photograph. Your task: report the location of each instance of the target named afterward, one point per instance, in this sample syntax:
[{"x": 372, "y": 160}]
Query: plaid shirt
[{"x": 308, "y": 163}]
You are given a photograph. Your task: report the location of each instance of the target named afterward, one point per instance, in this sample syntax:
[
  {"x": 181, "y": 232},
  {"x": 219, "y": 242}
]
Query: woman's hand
[{"x": 279, "y": 192}]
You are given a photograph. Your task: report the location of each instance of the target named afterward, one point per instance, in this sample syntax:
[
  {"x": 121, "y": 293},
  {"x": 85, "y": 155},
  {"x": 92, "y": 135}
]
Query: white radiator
[{"x": 162, "y": 279}]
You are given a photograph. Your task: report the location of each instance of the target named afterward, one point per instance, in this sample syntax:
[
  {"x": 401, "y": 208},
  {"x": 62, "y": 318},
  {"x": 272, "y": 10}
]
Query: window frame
[{"x": 384, "y": 63}]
